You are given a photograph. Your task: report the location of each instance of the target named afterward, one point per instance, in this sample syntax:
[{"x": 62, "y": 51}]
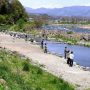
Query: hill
[
  {"x": 66, "y": 11},
  {"x": 18, "y": 73}
]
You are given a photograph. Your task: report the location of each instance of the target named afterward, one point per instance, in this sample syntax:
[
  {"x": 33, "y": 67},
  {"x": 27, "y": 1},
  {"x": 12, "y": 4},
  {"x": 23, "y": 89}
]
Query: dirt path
[{"x": 53, "y": 64}]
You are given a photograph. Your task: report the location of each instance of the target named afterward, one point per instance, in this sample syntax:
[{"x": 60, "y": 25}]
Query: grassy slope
[{"x": 19, "y": 74}]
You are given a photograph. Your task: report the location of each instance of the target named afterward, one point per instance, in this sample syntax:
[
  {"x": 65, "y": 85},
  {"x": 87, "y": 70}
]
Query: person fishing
[
  {"x": 42, "y": 42},
  {"x": 45, "y": 48},
  {"x": 65, "y": 53},
  {"x": 26, "y": 37}
]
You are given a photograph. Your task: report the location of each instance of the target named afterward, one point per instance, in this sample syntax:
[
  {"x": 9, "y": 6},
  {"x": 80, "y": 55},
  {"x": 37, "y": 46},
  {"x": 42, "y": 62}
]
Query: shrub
[
  {"x": 4, "y": 67},
  {"x": 69, "y": 32},
  {"x": 26, "y": 66},
  {"x": 2, "y": 19},
  {"x": 54, "y": 81},
  {"x": 39, "y": 71}
]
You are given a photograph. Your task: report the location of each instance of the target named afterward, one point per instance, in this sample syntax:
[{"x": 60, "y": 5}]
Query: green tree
[
  {"x": 38, "y": 23},
  {"x": 20, "y": 23},
  {"x": 12, "y": 11},
  {"x": 4, "y": 7},
  {"x": 18, "y": 10},
  {"x": 2, "y": 19}
]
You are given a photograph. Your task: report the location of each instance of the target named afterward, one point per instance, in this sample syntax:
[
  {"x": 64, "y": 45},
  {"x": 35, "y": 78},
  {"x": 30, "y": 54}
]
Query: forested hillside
[{"x": 11, "y": 11}]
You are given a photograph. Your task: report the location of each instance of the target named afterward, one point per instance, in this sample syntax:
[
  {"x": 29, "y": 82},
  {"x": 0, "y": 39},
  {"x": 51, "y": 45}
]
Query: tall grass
[{"x": 19, "y": 74}]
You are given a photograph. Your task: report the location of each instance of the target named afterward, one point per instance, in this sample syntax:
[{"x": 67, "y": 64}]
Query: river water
[
  {"x": 82, "y": 54},
  {"x": 66, "y": 28}
]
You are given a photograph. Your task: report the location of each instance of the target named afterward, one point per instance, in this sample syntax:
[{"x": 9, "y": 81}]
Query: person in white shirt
[{"x": 71, "y": 58}]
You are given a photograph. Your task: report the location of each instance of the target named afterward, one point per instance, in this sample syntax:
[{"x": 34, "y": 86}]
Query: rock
[{"x": 74, "y": 63}]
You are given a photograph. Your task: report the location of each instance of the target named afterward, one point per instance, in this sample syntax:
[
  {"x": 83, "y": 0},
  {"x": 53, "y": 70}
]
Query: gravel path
[{"x": 53, "y": 64}]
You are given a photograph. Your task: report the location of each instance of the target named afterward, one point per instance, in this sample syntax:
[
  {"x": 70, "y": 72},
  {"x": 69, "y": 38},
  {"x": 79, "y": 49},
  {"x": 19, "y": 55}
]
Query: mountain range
[{"x": 66, "y": 11}]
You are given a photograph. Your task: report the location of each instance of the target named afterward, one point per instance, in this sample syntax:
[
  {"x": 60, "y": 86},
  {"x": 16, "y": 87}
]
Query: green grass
[
  {"x": 20, "y": 74},
  {"x": 1, "y": 87},
  {"x": 64, "y": 39},
  {"x": 4, "y": 27}
]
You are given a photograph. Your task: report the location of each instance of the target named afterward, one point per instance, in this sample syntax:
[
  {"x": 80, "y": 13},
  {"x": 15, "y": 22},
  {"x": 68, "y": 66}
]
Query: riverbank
[
  {"x": 80, "y": 43},
  {"x": 85, "y": 26},
  {"x": 68, "y": 33},
  {"x": 53, "y": 64}
]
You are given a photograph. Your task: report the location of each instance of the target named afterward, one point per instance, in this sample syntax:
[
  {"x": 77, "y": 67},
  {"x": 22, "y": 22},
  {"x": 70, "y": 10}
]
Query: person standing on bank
[
  {"x": 65, "y": 53},
  {"x": 71, "y": 58},
  {"x": 26, "y": 37},
  {"x": 42, "y": 42},
  {"x": 45, "y": 48}
]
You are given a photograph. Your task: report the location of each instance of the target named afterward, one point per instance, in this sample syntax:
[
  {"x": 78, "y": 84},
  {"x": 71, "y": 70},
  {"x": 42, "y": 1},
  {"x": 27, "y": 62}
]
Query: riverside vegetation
[{"x": 17, "y": 73}]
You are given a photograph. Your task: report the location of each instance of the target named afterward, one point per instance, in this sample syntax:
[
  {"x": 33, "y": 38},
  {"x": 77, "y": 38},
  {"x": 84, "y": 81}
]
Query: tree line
[{"x": 73, "y": 20}]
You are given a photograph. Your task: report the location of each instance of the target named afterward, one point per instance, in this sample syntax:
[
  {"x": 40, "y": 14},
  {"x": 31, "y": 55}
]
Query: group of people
[
  {"x": 69, "y": 56},
  {"x": 44, "y": 46}
]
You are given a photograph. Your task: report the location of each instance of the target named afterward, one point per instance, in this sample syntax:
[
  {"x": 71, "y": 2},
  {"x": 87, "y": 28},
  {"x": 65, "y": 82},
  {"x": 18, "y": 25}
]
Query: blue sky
[{"x": 54, "y": 3}]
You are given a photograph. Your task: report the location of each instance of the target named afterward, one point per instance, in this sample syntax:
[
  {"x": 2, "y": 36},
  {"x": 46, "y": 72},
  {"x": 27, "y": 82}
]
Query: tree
[
  {"x": 2, "y": 19},
  {"x": 20, "y": 23},
  {"x": 18, "y": 10},
  {"x": 4, "y": 7},
  {"x": 12, "y": 10},
  {"x": 38, "y": 23}
]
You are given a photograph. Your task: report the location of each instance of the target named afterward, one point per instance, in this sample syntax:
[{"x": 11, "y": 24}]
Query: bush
[
  {"x": 4, "y": 67},
  {"x": 2, "y": 19},
  {"x": 20, "y": 23},
  {"x": 26, "y": 66},
  {"x": 39, "y": 71},
  {"x": 69, "y": 32},
  {"x": 54, "y": 81}
]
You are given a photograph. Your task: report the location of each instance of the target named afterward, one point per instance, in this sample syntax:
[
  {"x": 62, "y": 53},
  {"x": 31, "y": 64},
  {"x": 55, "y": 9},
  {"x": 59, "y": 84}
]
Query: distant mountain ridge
[{"x": 66, "y": 11}]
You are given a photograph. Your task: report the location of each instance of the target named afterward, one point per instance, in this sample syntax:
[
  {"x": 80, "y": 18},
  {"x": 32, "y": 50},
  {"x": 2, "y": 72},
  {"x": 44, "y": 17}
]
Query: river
[
  {"x": 82, "y": 54},
  {"x": 66, "y": 28}
]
